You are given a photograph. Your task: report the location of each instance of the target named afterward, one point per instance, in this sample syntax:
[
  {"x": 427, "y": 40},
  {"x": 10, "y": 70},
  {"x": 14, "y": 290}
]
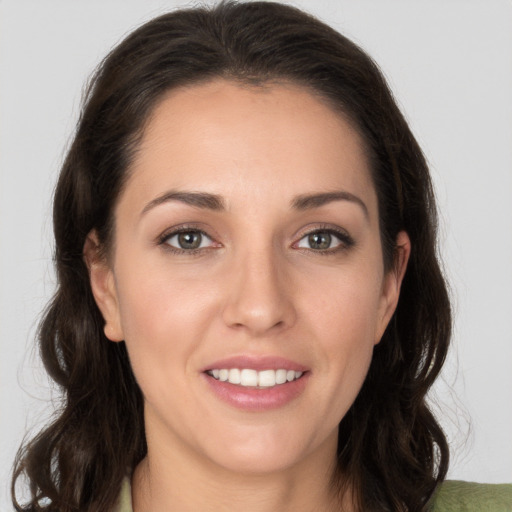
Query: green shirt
[
  {"x": 457, "y": 496},
  {"x": 452, "y": 496}
]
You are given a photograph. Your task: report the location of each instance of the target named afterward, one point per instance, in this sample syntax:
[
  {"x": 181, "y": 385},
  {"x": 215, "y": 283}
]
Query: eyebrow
[
  {"x": 310, "y": 201},
  {"x": 215, "y": 202},
  {"x": 197, "y": 199}
]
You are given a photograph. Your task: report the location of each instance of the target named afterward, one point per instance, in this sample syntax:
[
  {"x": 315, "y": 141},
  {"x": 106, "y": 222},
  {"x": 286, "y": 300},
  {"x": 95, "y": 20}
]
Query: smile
[{"x": 247, "y": 377}]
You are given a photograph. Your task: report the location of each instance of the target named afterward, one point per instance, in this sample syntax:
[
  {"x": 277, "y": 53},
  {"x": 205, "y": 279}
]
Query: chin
[
  {"x": 257, "y": 463},
  {"x": 263, "y": 452}
]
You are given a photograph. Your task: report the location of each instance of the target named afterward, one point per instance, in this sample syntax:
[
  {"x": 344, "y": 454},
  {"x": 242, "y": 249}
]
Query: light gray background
[{"x": 450, "y": 66}]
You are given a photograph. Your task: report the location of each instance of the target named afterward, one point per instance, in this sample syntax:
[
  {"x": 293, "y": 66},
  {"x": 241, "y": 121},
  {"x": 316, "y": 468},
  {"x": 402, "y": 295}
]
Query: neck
[{"x": 161, "y": 482}]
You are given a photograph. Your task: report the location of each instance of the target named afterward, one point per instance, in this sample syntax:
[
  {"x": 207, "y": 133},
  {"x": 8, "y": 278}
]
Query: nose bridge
[{"x": 260, "y": 296}]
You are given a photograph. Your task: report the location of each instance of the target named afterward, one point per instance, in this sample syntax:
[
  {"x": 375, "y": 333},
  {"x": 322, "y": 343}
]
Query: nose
[{"x": 259, "y": 298}]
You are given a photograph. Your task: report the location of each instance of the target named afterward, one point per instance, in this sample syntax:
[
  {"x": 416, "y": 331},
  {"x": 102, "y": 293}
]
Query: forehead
[{"x": 258, "y": 141}]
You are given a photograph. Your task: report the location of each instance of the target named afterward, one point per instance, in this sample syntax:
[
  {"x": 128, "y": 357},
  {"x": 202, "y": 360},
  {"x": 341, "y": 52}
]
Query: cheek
[
  {"x": 163, "y": 319},
  {"x": 344, "y": 305},
  {"x": 345, "y": 322}
]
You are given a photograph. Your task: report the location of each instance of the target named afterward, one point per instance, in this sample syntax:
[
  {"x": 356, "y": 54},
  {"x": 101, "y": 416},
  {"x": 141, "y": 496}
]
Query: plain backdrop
[{"x": 449, "y": 64}]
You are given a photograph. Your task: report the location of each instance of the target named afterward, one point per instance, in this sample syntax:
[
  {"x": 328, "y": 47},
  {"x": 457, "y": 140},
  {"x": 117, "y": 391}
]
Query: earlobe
[
  {"x": 103, "y": 287},
  {"x": 393, "y": 282}
]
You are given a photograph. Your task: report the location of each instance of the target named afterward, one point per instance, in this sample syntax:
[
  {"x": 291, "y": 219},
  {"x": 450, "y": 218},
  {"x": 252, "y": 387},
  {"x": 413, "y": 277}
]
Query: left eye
[
  {"x": 189, "y": 240},
  {"x": 320, "y": 241}
]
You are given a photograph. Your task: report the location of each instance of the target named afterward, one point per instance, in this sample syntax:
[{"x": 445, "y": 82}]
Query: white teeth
[
  {"x": 267, "y": 378},
  {"x": 249, "y": 377},
  {"x": 252, "y": 378},
  {"x": 234, "y": 376},
  {"x": 280, "y": 376}
]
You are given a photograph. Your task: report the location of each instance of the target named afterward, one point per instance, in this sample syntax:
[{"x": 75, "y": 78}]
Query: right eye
[
  {"x": 325, "y": 241},
  {"x": 320, "y": 241},
  {"x": 188, "y": 240}
]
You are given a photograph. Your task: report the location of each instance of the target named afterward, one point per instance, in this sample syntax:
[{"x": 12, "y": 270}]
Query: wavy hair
[{"x": 390, "y": 445}]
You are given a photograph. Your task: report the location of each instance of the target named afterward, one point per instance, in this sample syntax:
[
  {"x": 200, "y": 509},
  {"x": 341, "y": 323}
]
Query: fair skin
[{"x": 247, "y": 237}]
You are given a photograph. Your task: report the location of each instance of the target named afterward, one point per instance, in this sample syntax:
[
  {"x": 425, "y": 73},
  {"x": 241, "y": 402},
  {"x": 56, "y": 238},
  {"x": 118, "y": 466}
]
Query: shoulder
[
  {"x": 452, "y": 496},
  {"x": 124, "y": 501},
  {"x": 458, "y": 496}
]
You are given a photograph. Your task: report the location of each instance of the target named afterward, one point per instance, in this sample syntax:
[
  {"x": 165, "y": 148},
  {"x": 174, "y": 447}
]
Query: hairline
[{"x": 246, "y": 82}]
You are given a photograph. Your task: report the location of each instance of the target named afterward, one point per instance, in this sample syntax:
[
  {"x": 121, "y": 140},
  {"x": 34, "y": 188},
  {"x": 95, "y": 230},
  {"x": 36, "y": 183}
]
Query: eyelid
[
  {"x": 164, "y": 238},
  {"x": 345, "y": 239}
]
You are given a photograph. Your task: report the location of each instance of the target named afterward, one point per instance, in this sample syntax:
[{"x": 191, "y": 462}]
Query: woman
[{"x": 250, "y": 311}]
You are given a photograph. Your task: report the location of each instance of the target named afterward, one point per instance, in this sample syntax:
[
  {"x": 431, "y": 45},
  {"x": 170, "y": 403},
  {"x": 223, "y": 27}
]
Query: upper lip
[{"x": 258, "y": 363}]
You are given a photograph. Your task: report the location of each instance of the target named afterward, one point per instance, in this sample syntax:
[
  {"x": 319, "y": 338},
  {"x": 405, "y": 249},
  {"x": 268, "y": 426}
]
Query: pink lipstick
[{"x": 256, "y": 383}]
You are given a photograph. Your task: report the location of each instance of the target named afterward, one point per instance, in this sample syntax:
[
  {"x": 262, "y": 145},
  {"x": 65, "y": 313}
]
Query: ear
[
  {"x": 103, "y": 286},
  {"x": 392, "y": 283}
]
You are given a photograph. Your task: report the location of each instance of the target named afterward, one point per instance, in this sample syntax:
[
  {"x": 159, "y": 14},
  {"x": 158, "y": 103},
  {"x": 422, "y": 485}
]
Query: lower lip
[{"x": 257, "y": 399}]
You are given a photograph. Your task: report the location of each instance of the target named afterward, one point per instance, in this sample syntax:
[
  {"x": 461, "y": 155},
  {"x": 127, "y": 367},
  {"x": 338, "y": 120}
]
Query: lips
[{"x": 256, "y": 383}]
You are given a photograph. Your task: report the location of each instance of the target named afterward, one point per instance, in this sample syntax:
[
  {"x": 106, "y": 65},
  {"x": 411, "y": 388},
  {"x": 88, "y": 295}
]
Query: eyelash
[
  {"x": 163, "y": 240},
  {"x": 345, "y": 240}
]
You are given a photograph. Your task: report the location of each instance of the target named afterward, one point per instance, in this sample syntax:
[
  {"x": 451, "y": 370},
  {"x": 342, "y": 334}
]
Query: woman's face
[{"x": 247, "y": 248}]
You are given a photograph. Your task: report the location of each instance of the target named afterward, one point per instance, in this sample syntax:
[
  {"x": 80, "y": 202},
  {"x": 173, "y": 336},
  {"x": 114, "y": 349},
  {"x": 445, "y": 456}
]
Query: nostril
[{"x": 258, "y": 303}]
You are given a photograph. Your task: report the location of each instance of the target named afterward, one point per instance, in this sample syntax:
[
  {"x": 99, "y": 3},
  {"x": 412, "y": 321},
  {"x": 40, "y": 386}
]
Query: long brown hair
[{"x": 390, "y": 444}]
